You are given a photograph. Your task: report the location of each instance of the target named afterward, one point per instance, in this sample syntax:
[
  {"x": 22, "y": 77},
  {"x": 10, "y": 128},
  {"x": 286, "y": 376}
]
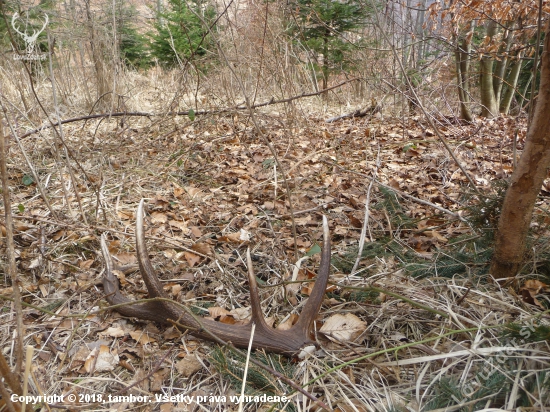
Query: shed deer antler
[{"x": 287, "y": 342}]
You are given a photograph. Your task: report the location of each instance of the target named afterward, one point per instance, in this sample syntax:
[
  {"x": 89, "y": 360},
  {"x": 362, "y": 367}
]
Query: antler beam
[{"x": 288, "y": 342}]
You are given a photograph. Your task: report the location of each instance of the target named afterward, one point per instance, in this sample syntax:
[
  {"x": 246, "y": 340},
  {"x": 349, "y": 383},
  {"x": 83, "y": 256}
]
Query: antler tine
[
  {"x": 151, "y": 280},
  {"x": 13, "y": 18},
  {"x": 148, "y": 310},
  {"x": 46, "y": 20},
  {"x": 313, "y": 304},
  {"x": 287, "y": 342},
  {"x": 257, "y": 316}
]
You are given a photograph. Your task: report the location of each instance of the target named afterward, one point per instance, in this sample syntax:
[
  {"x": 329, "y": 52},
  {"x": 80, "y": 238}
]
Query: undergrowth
[
  {"x": 258, "y": 381},
  {"x": 466, "y": 255},
  {"x": 493, "y": 385}
]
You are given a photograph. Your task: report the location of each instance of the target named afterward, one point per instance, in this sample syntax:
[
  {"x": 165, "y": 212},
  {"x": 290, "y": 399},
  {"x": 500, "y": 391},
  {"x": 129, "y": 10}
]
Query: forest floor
[{"x": 419, "y": 333}]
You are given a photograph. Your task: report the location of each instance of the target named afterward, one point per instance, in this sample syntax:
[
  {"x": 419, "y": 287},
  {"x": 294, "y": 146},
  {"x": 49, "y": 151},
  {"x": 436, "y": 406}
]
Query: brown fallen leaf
[
  {"x": 287, "y": 324},
  {"x": 158, "y": 380},
  {"x": 202, "y": 247},
  {"x": 241, "y": 313},
  {"x": 124, "y": 259},
  {"x": 114, "y": 332},
  {"x": 188, "y": 366},
  {"x": 179, "y": 225},
  {"x": 191, "y": 258},
  {"x": 217, "y": 312},
  {"x": 86, "y": 264},
  {"x": 434, "y": 234},
  {"x": 141, "y": 337},
  {"x": 231, "y": 237},
  {"x": 193, "y": 191},
  {"x": 158, "y": 217},
  {"x": 102, "y": 360},
  {"x": 530, "y": 289},
  {"x": 343, "y": 328},
  {"x": 196, "y": 231},
  {"x": 178, "y": 191}
]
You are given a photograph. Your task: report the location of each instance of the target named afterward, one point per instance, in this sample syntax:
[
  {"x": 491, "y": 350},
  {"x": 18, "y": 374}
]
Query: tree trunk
[
  {"x": 526, "y": 182},
  {"x": 523, "y": 93},
  {"x": 104, "y": 96},
  {"x": 511, "y": 84},
  {"x": 500, "y": 69},
  {"x": 325, "y": 59},
  {"x": 489, "y": 107},
  {"x": 462, "y": 58}
]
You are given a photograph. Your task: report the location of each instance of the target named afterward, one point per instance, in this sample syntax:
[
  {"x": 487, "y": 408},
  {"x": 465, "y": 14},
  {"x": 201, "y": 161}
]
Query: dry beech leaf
[
  {"x": 355, "y": 222},
  {"x": 114, "y": 246},
  {"x": 193, "y": 191},
  {"x": 178, "y": 191},
  {"x": 170, "y": 253},
  {"x": 126, "y": 215},
  {"x": 287, "y": 324},
  {"x": 343, "y": 328},
  {"x": 303, "y": 243},
  {"x": 102, "y": 360},
  {"x": 141, "y": 337},
  {"x": 308, "y": 287},
  {"x": 231, "y": 237},
  {"x": 158, "y": 380},
  {"x": 67, "y": 324},
  {"x": 240, "y": 313},
  {"x": 530, "y": 289},
  {"x": 535, "y": 286},
  {"x": 269, "y": 205},
  {"x": 179, "y": 225},
  {"x": 228, "y": 320},
  {"x": 114, "y": 332},
  {"x": 191, "y": 258},
  {"x": 135, "y": 351},
  {"x": 175, "y": 290},
  {"x": 125, "y": 259},
  {"x": 217, "y": 312},
  {"x": 166, "y": 407},
  {"x": 395, "y": 184},
  {"x": 203, "y": 248},
  {"x": 196, "y": 231},
  {"x": 303, "y": 221},
  {"x": 158, "y": 217},
  {"x": 171, "y": 333},
  {"x": 59, "y": 234},
  {"x": 121, "y": 277},
  {"x": 6, "y": 291},
  {"x": 79, "y": 357},
  {"x": 434, "y": 234},
  {"x": 188, "y": 366},
  {"x": 86, "y": 264},
  {"x": 293, "y": 288}
]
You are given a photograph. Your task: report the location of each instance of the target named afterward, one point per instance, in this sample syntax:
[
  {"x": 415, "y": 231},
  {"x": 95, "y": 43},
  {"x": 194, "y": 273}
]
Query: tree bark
[
  {"x": 325, "y": 59},
  {"x": 489, "y": 106},
  {"x": 526, "y": 182},
  {"x": 462, "y": 58},
  {"x": 511, "y": 84},
  {"x": 96, "y": 45},
  {"x": 501, "y": 65}
]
